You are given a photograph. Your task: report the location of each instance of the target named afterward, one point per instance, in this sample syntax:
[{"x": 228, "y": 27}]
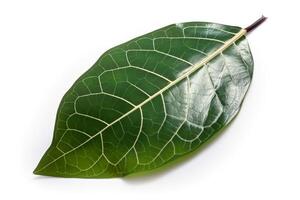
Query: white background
[{"x": 46, "y": 45}]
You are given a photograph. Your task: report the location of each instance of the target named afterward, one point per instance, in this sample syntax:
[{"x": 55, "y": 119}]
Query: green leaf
[{"x": 149, "y": 101}]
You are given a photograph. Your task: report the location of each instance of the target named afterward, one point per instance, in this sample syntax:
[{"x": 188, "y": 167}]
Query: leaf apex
[{"x": 36, "y": 171}]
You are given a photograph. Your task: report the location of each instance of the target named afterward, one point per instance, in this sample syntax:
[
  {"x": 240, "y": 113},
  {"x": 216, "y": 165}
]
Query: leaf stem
[{"x": 255, "y": 24}]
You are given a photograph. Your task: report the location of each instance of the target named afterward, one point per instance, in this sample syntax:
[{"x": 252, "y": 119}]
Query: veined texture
[{"x": 149, "y": 101}]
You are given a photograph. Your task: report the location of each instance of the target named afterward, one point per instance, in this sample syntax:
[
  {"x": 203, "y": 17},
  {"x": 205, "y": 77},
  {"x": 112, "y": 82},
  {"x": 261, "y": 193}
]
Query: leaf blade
[{"x": 133, "y": 95}]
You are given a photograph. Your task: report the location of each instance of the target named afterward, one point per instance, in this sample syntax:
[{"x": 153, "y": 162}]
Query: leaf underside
[{"x": 149, "y": 101}]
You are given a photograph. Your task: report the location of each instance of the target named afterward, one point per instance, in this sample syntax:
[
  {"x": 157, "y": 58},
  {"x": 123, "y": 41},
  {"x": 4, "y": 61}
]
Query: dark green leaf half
[{"x": 149, "y": 101}]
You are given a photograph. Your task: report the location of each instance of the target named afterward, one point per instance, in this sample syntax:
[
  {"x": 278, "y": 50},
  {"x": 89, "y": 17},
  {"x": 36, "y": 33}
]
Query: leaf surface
[{"x": 149, "y": 101}]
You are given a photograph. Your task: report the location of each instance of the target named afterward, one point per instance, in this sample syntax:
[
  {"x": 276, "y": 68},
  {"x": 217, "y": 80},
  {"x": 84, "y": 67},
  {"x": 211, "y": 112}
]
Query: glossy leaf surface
[{"x": 149, "y": 101}]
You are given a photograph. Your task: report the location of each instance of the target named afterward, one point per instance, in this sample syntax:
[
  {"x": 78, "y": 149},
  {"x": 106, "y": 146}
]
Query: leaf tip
[{"x": 36, "y": 171}]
